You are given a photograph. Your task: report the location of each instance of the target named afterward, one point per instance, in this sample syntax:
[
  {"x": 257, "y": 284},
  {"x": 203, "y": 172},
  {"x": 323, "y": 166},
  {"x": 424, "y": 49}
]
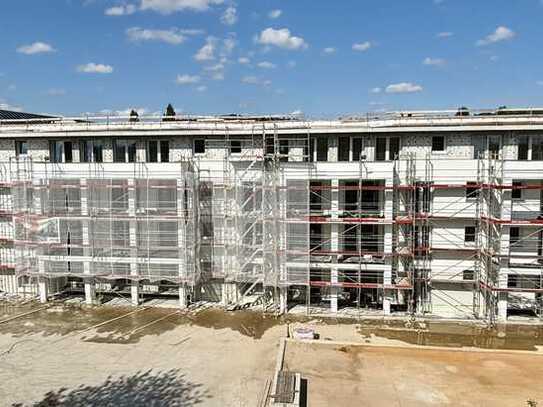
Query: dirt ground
[
  {"x": 153, "y": 357},
  {"x": 373, "y": 376},
  {"x": 72, "y": 355}
]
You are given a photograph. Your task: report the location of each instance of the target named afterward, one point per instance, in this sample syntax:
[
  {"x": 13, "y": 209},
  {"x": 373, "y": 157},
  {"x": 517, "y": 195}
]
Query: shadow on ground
[{"x": 148, "y": 388}]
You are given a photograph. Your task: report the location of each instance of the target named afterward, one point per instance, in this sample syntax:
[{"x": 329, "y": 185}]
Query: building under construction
[{"x": 408, "y": 213}]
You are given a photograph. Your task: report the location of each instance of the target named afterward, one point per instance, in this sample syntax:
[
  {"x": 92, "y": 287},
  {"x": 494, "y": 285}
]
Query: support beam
[
  {"x": 135, "y": 292},
  {"x": 42, "y": 288},
  {"x": 42, "y": 282},
  {"x": 387, "y": 300},
  {"x": 283, "y": 300},
  {"x": 90, "y": 287},
  {"x": 132, "y": 229},
  {"x": 183, "y": 300},
  {"x": 334, "y": 290},
  {"x": 502, "y": 307},
  {"x": 229, "y": 293},
  {"x": 334, "y": 246},
  {"x": 90, "y": 292},
  {"x": 502, "y": 298},
  {"x": 387, "y": 244}
]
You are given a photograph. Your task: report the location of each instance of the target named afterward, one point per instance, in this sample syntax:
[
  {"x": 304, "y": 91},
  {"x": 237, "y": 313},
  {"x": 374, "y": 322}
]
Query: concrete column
[
  {"x": 135, "y": 292},
  {"x": 387, "y": 272},
  {"x": 387, "y": 280},
  {"x": 90, "y": 292},
  {"x": 76, "y": 157},
  {"x": 502, "y": 298},
  {"x": 229, "y": 293},
  {"x": 506, "y": 215},
  {"x": 334, "y": 290},
  {"x": 332, "y": 148},
  {"x": 224, "y": 294},
  {"x": 283, "y": 300},
  {"x": 334, "y": 272},
  {"x": 334, "y": 246},
  {"x": 181, "y": 243},
  {"x": 90, "y": 288},
  {"x": 42, "y": 282},
  {"x": 132, "y": 228},
  {"x": 183, "y": 302},
  {"x": 387, "y": 245},
  {"x": 42, "y": 288},
  {"x": 42, "y": 279}
]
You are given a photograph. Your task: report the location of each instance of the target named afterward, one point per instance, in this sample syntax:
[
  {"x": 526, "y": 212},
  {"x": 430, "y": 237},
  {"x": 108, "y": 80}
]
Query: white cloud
[
  {"x": 213, "y": 45},
  {"x": 171, "y": 6},
  {"x": 218, "y": 76},
  {"x": 297, "y": 113},
  {"x": 207, "y": 52},
  {"x": 216, "y": 71},
  {"x": 91, "y": 67},
  {"x": 266, "y": 65},
  {"x": 191, "y": 31},
  {"x": 539, "y": 83},
  {"x": 201, "y": 88},
  {"x": 122, "y": 10},
  {"x": 35, "y": 48},
  {"x": 187, "y": 79},
  {"x": 228, "y": 45},
  {"x": 253, "y": 80},
  {"x": 56, "y": 92},
  {"x": 434, "y": 61},
  {"x": 362, "y": 46},
  {"x": 275, "y": 14},
  {"x": 329, "y": 50},
  {"x": 172, "y": 36},
  {"x": 230, "y": 16},
  {"x": 403, "y": 87},
  {"x": 376, "y": 90},
  {"x": 281, "y": 38},
  {"x": 214, "y": 68},
  {"x": 500, "y": 34},
  {"x": 444, "y": 34},
  {"x": 244, "y": 60}
]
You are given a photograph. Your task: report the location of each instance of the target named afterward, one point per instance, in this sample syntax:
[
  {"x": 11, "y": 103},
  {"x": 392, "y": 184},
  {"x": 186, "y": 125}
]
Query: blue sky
[{"x": 320, "y": 57}]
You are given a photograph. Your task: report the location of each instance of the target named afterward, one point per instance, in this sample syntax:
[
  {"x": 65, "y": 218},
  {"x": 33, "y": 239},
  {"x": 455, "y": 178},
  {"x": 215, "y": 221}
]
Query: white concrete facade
[{"x": 443, "y": 152}]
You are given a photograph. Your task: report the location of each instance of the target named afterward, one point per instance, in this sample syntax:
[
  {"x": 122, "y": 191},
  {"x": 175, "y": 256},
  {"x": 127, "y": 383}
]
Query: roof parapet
[{"x": 398, "y": 119}]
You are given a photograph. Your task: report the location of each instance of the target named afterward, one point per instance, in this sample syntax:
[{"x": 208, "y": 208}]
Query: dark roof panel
[{"x": 11, "y": 115}]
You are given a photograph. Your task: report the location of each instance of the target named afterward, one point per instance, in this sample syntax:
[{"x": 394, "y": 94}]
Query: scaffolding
[
  {"x": 106, "y": 223},
  {"x": 256, "y": 213},
  {"x": 412, "y": 230},
  {"x": 7, "y": 255},
  {"x": 510, "y": 262},
  {"x": 490, "y": 203},
  {"x": 351, "y": 239},
  {"x": 262, "y": 216},
  {"x": 498, "y": 259}
]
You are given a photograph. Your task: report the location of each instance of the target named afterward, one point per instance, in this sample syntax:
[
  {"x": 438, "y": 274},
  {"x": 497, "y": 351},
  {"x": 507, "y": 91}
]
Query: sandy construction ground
[
  {"x": 373, "y": 376},
  {"x": 211, "y": 359},
  {"x": 71, "y": 355}
]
